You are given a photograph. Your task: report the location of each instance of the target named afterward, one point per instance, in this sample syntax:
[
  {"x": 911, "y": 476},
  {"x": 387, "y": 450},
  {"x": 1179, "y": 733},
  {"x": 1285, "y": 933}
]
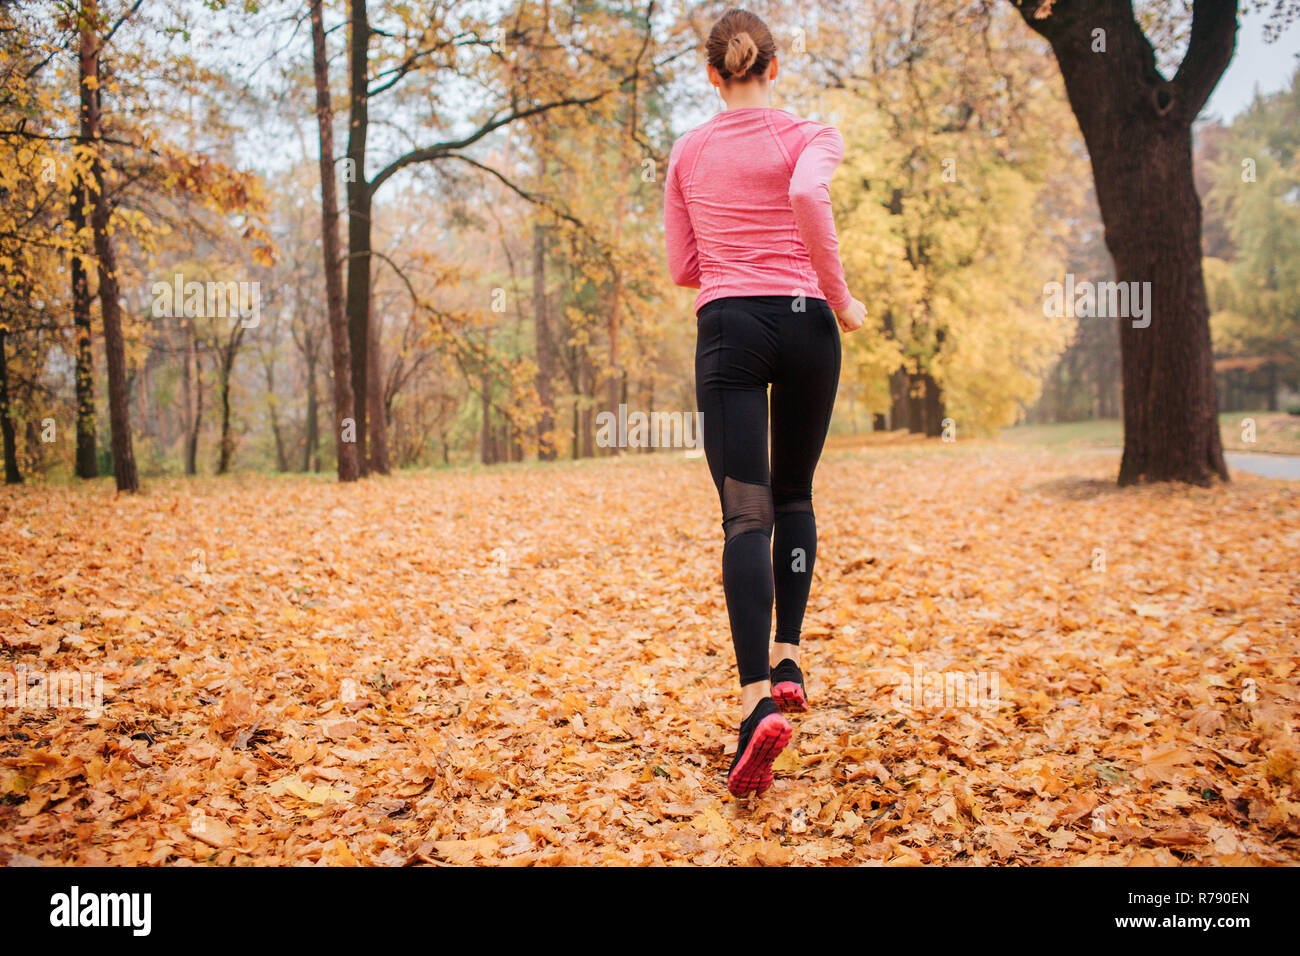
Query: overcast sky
[{"x": 1256, "y": 63}]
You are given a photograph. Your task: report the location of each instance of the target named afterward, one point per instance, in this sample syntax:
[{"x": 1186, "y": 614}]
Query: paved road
[{"x": 1270, "y": 466}]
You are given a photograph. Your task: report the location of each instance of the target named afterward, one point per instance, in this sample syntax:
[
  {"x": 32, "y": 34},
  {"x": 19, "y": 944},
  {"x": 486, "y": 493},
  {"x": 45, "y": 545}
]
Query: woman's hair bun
[
  {"x": 740, "y": 45},
  {"x": 742, "y": 51}
]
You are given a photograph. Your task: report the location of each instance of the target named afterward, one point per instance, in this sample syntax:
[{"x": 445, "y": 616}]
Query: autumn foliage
[{"x": 531, "y": 665}]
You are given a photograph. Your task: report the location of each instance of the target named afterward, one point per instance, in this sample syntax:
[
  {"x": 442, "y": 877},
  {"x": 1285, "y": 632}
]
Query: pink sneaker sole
[
  {"x": 789, "y": 696},
  {"x": 753, "y": 771}
]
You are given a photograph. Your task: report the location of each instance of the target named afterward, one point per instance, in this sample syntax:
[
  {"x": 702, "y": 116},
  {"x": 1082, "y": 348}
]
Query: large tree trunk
[
  {"x": 109, "y": 295},
  {"x": 359, "y": 202},
  {"x": 87, "y": 465},
  {"x": 340, "y": 347},
  {"x": 1171, "y": 429},
  {"x": 1137, "y": 127},
  {"x": 12, "y": 475}
]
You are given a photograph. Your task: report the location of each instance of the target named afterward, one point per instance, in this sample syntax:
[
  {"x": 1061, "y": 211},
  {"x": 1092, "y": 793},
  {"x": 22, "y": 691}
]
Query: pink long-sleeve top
[{"x": 747, "y": 207}]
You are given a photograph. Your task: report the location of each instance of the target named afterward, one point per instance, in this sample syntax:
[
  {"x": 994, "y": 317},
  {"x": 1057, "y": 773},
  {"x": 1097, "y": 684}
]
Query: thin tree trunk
[
  {"x": 375, "y": 399},
  {"x": 87, "y": 462},
  {"x": 196, "y": 423},
  {"x": 87, "y": 466},
  {"x": 546, "y": 450},
  {"x": 358, "y": 294},
  {"x": 614, "y": 387},
  {"x": 12, "y": 475},
  {"x": 281, "y": 458},
  {"x": 226, "y": 447},
  {"x": 312, "y": 437},
  {"x": 226, "y": 450},
  {"x": 589, "y": 410},
  {"x": 124, "y": 469},
  {"x": 579, "y": 419},
  {"x": 340, "y": 347},
  {"x": 648, "y": 447},
  {"x": 486, "y": 454}
]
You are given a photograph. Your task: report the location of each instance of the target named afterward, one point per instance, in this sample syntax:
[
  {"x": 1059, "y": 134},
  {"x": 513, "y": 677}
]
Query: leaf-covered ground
[{"x": 532, "y": 665}]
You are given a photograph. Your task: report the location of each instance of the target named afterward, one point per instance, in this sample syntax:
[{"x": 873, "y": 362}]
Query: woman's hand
[{"x": 852, "y": 317}]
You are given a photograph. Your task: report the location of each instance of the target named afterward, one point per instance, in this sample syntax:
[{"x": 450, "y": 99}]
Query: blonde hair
[{"x": 740, "y": 45}]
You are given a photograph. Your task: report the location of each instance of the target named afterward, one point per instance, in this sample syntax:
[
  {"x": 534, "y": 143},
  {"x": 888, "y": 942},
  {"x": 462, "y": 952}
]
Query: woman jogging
[{"x": 747, "y": 218}]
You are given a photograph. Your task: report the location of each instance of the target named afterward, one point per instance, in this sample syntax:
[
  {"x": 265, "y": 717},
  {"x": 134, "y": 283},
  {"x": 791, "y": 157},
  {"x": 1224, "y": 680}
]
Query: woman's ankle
[
  {"x": 751, "y": 694},
  {"x": 780, "y": 652}
]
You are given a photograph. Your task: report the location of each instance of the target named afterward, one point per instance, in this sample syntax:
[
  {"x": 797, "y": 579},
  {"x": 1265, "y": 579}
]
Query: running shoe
[
  {"x": 787, "y": 686},
  {"x": 763, "y": 735}
]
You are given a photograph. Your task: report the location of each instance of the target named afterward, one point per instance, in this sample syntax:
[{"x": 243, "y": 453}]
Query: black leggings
[{"x": 744, "y": 343}]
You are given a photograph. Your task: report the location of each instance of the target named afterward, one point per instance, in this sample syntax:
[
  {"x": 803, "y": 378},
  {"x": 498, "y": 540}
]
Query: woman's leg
[
  {"x": 803, "y": 397},
  {"x": 734, "y": 359}
]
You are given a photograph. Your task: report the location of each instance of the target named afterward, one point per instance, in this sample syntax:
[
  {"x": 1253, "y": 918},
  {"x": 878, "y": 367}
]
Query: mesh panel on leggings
[
  {"x": 789, "y": 507},
  {"x": 745, "y": 507}
]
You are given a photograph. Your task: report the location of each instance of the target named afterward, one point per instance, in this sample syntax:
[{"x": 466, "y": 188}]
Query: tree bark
[
  {"x": 277, "y": 433},
  {"x": 542, "y": 332},
  {"x": 87, "y": 466},
  {"x": 12, "y": 475},
  {"x": 587, "y": 419},
  {"x": 340, "y": 346},
  {"x": 916, "y": 403},
  {"x": 312, "y": 437},
  {"x": 614, "y": 385},
  {"x": 124, "y": 469},
  {"x": 933, "y": 400},
  {"x": 359, "y": 207},
  {"x": 226, "y": 448},
  {"x": 193, "y": 372},
  {"x": 1137, "y": 127},
  {"x": 226, "y": 362},
  {"x": 376, "y": 402},
  {"x": 900, "y": 406},
  {"x": 486, "y": 450}
]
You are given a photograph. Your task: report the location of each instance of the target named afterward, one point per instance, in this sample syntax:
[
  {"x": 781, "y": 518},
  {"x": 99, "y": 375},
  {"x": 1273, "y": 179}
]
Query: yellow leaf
[
  {"x": 710, "y": 821},
  {"x": 788, "y": 762}
]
